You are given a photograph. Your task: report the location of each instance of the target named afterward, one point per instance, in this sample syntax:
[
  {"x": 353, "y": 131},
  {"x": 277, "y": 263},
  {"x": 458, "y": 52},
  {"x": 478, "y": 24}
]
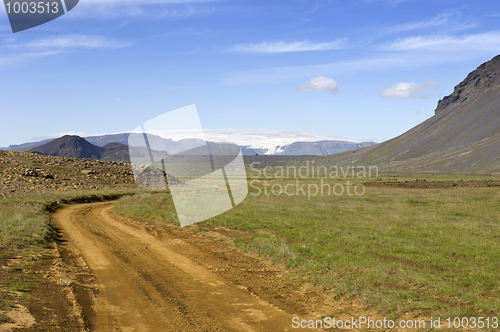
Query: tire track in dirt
[{"x": 147, "y": 284}]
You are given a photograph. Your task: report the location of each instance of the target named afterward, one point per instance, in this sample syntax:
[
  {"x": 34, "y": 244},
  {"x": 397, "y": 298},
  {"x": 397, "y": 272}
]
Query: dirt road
[{"x": 149, "y": 280}]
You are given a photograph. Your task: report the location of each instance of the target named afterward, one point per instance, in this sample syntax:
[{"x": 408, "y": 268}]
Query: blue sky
[{"x": 358, "y": 69}]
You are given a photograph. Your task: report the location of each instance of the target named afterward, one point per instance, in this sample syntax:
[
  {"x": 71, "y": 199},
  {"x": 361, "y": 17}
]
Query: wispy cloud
[
  {"x": 320, "y": 83},
  {"x": 16, "y": 53},
  {"x": 76, "y": 41},
  {"x": 318, "y": 4},
  {"x": 69, "y": 42},
  {"x": 175, "y": 12},
  {"x": 189, "y": 32},
  {"x": 483, "y": 41},
  {"x": 389, "y": 2},
  {"x": 284, "y": 47},
  {"x": 408, "y": 90},
  {"x": 10, "y": 62},
  {"x": 447, "y": 21}
]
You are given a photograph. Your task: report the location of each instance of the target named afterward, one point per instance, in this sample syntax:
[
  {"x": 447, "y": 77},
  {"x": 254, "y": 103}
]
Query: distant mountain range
[
  {"x": 463, "y": 135},
  {"x": 257, "y": 142},
  {"x": 95, "y": 140}
]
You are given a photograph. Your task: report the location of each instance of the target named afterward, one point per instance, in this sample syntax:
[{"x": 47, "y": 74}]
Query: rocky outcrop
[{"x": 485, "y": 77}]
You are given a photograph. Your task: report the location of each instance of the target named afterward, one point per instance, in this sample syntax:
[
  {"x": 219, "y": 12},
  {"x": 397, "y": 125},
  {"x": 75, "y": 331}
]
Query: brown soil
[
  {"x": 46, "y": 304},
  {"x": 130, "y": 276}
]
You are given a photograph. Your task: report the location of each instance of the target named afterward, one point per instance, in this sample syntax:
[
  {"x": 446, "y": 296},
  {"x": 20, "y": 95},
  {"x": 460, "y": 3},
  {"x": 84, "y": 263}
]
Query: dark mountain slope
[
  {"x": 115, "y": 152},
  {"x": 77, "y": 147},
  {"x": 69, "y": 146}
]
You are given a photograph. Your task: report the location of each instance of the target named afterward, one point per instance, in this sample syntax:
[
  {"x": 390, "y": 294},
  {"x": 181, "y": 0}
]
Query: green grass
[
  {"x": 25, "y": 222},
  {"x": 159, "y": 208},
  {"x": 424, "y": 251},
  {"x": 20, "y": 283},
  {"x": 22, "y": 227},
  {"x": 6, "y": 304},
  {"x": 5, "y": 319}
]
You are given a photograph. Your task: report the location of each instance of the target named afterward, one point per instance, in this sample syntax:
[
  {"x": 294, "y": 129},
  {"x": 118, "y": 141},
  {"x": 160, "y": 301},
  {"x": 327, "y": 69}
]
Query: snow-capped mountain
[{"x": 268, "y": 142}]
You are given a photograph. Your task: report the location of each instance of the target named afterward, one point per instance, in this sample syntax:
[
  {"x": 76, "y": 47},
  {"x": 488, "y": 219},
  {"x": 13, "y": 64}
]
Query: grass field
[
  {"x": 397, "y": 250},
  {"x": 25, "y": 222}
]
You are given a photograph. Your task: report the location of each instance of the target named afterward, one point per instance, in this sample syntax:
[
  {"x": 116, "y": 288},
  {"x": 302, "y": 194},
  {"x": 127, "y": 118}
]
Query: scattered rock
[
  {"x": 65, "y": 281},
  {"x": 28, "y": 173}
]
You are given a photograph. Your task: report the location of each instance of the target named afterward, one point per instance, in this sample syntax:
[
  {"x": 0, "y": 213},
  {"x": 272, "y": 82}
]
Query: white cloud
[
  {"x": 320, "y": 83},
  {"x": 283, "y": 47},
  {"x": 488, "y": 41},
  {"x": 446, "y": 21},
  {"x": 440, "y": 20},
  {"x": 389, "y": 2},
  {"x": 74, "y": 41},
  {"x": 23, "y": 52},
  {"x": 407, "y": 90}
]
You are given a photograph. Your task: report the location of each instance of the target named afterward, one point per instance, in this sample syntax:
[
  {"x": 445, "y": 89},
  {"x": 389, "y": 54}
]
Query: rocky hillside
[
  {"x": 463, "y": 135},
  {"x": 29, "y": 173}
]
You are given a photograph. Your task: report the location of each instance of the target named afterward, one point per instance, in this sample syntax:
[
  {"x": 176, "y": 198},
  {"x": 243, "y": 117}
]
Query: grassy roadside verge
[
  {"x": 25, "y": 222},
  {"x": 25, "y": 231},
  {"x": 398, "y": 250}
]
